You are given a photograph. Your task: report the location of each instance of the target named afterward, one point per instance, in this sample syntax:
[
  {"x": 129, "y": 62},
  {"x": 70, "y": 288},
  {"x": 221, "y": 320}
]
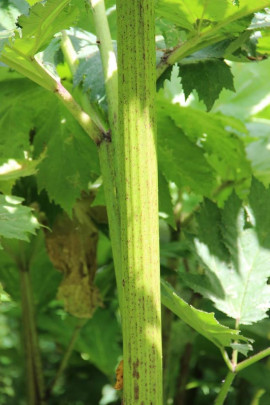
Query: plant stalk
[
  {"x": 225, "y": 388},
  {"x": 138, "y": 195},
  {"x": 107, "y": 154},
  {"x": 69, "y": 53},
  {"x": 108, "y": 59},
  {"x": 253, "y": 359},
  {"x": 35, "y": 382},
  {"x": 66, "y": 357}
]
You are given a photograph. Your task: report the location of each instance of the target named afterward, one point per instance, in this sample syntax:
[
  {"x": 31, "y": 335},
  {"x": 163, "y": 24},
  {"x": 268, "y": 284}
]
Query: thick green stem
[
  {"x": 35, "y": 383},
  {"x": 225, "y": 388},
  {"x": 138, "y": 192}
]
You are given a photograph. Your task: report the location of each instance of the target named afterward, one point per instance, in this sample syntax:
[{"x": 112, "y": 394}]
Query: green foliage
[
  {"x": 208, "y": 78},
  {"x": 218, "y": 246},
  {"x": 203, "y": 322},
  {"x": 17, "y": 221},
  {"x": 219, "y": 152},
  {"x": 234, "y": 245},
  {"x": 65, "y": 142}
]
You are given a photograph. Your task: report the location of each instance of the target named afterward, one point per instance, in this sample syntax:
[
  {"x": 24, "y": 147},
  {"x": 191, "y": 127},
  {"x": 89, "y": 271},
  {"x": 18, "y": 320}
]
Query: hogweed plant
[{"x": 108, "y": 144}]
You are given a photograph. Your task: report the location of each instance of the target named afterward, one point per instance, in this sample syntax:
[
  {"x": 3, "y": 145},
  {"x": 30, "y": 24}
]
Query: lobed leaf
[
  {"x": 71, "y": 157},
  {"x": 208, "y": 15},
  {"x": 177, "y": 154},
  {"x": 208, "y": 78},
  {"x": 234, "y": 245},
  {"x": 209, "y": 139}
]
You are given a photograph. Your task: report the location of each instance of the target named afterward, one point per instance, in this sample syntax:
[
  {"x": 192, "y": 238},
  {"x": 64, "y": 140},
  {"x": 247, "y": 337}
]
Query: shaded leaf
[
  {"x": 203, "y": 322},
  {"x": 177, "y": 155},
  {"x": 234, "y": 245},
  {"x": 43, "y": 21},
  {"x": 215, "y": 136},
  {"x": 207, "y": 78},
  {"x": 67, "y": 143},
  {"x": 17, "y": 221},
  {"x": 98, "y": 338},
  {"x": 44, "y": 278}
]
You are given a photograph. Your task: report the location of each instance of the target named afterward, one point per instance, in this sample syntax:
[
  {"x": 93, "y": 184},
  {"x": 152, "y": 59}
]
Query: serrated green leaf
[
  {"x": 241, "y": 348},
  {"x": 90, "y": 74},
  {"x": 203, "y": 322},
  {"x": 215, "y": 135},
  {"x": 38, "y": 28},
  {"x": 12, "y": 170},
  {"x": 205, "y": 14},
  {"x": 10, "y": 11},
  {"x": 71, "y": 157},
  {"x": 172, "y": 34},
  {"x": 207, "y": 78},
  {"x": 45, "y": 20},
  {"x": 18, "y": 100},
  {"x": 234, "y": 245},
  {"x": 177, "y": 155},
  {"x": 16, "y": 220}
]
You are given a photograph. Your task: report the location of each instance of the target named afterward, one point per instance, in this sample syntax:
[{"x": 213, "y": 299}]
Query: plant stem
[
  {"x": 69, "y": 53},
  {"x": 253, "y": 359},
  {"x": 36, "y": 72},
  {"x": 65, "y": 359},
  {"x": 107, "y": 154},
  {"x": 72, "y": 61},
  {"x": 226, "y": 359},
  {"x": 107, "y": 164},
  {"x": 225, "y": 388},
  {"x": 258, "y": 394},
  {"x": 35, "y": 382},
  {"x": 235, "y": 351},
  {"x": 75, "y": 109},
  {"x": 138, "y": 195},
  {"x": 108, "y": 59}
]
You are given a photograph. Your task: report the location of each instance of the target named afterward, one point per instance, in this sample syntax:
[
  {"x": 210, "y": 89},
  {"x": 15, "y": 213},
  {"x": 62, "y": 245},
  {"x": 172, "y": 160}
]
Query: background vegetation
[{"x": 214, "y": 198}]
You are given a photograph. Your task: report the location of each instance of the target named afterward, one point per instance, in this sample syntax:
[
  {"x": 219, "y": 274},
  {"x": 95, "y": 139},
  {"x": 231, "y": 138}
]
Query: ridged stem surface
[{"x": 137, "y": 160}]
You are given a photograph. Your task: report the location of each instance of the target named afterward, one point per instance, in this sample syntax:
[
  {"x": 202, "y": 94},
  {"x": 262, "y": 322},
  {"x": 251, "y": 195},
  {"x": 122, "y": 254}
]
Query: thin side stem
[
  {"x": 35, "y": 381},
  {"x": 201, "y": 40},
  {"x": 107, "y": 164},
  {"x": 75, "y": 109},
  {"x": 257, "y": 396},
  {"x": 226, "y": 359},
  {"x": 107, "y": 154},
  {"x": 108, "y": 59},
  {"x": 253, "y": 359},
  {"x": 138, "y": 196},
  {"x": 235, "y": 351},
  {"x": 225, "y": 388},
  {"x": 69, "y": 53},
  {"x": 66, "y": 357},
  {"x": 73, "y": 62},
  {"x": 36, "y": 72}
]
